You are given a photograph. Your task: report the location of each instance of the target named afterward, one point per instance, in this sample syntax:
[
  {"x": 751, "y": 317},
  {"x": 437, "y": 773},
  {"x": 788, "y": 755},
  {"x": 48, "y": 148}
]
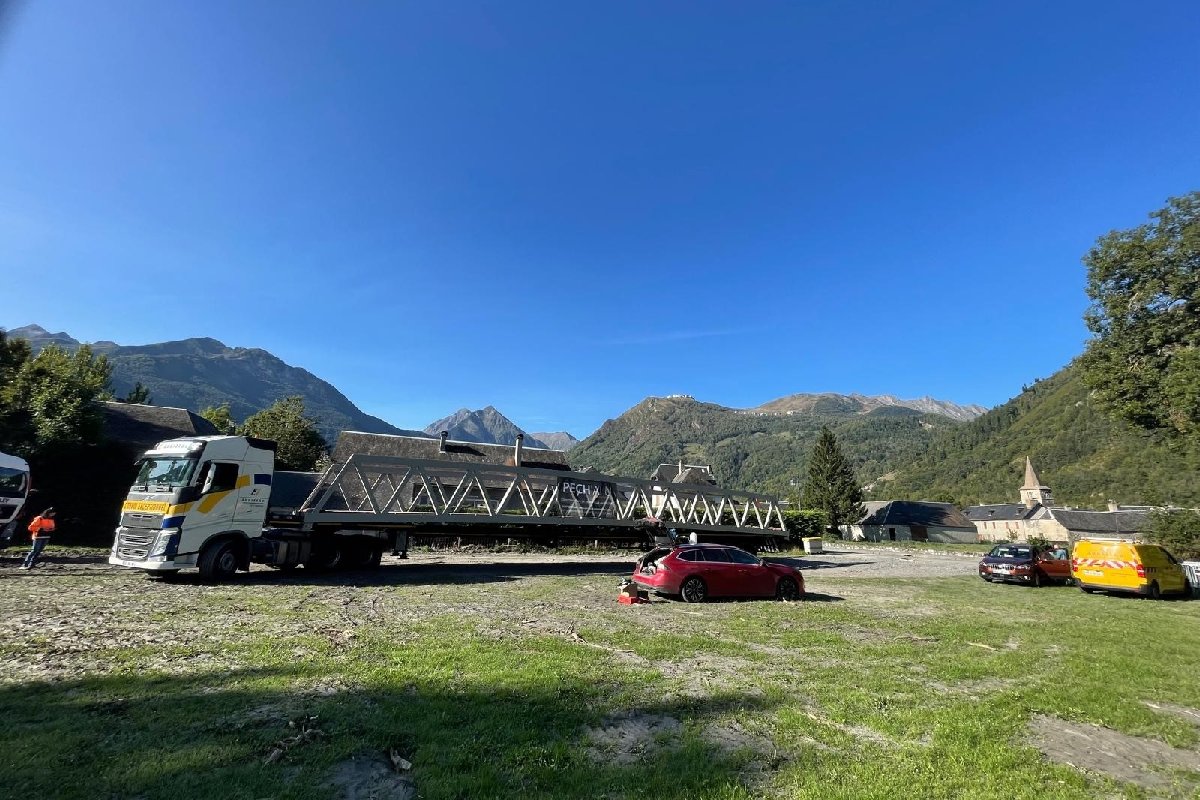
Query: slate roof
[
  {"x": 917, "y": 512},
  {"x": 1032, "y": 481},
  {"x": 382, "y": 444},
  {"x": 692, "y": 473},
  {"x": 999, "y": 511},
  {"x": 139, "y": 427},
  {"x": 1101, "y": 522}
]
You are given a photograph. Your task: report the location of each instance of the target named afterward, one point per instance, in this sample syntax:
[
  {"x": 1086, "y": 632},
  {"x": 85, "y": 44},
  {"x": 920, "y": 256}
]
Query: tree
[
  {"x": 831, "y": 487},
  {"x": 50, "y": 399},
  {"x": 1144, "y": 283},
  {"x": 221, "y": 419},
  {"x": 299, "y": 443},
  {"x": 138, "y": 394},
  {"x": 1178, "y": 530}
]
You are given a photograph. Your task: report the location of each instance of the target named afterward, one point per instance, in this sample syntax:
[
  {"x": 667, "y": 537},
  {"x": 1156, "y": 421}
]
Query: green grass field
[{"x": 542, "y": 686}]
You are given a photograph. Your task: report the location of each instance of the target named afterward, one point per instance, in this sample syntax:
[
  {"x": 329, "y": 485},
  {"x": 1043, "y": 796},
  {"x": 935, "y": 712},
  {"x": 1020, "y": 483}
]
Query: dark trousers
[{"x": 39, "y": 544}]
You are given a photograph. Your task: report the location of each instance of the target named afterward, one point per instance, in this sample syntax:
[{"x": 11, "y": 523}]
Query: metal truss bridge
[{"x": 388, "y": 491}]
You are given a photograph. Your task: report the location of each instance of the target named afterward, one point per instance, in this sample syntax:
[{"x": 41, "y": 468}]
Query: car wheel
[
  {"x": 1154, "y": 593},
  {"x": 693, "y": 590},
  {"x": 788, "y": 590},
  {"x": 218, "y": 562}
]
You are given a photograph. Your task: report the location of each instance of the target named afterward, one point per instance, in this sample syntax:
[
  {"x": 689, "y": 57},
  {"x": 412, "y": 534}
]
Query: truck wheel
[
  {"x": 326, "y": 558},
  {"x": 218, "y": 562},
  {"x": 363, "y": 555}
]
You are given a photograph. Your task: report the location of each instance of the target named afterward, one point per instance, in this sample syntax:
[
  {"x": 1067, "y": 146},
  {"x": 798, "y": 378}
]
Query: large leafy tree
[
  {"x": 1144, "y": 283},
  {"x": 49, "y": 400},
  {"x": 221, "y": 419},
  {"x": 299, "y": 443},
  {"x": 831, "y": 487}
]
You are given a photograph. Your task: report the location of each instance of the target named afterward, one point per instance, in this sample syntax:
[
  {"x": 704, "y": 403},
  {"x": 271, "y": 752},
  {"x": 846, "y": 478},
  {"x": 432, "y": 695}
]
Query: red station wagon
[{"x": 697, "y": 572}]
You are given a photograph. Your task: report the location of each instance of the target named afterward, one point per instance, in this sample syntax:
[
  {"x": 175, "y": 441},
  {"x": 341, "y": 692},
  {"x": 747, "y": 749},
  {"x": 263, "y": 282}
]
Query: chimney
[
  {"x": 517, "y": 449},
  {"x": 444, "y": 435}
]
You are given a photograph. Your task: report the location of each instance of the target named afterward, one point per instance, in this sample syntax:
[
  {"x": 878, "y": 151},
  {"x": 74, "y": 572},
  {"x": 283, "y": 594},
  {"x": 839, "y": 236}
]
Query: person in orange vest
[{"x": 40, "y": 530}]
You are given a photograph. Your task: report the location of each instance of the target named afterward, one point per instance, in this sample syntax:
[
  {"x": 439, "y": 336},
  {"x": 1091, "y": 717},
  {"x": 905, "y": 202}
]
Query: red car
[
  {"x": 1026, "y": 563},
  {"x": 697, "y": 572}
]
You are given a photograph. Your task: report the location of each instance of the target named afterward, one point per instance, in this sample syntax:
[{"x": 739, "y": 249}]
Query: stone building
[{"x": 1036, "y": 516}]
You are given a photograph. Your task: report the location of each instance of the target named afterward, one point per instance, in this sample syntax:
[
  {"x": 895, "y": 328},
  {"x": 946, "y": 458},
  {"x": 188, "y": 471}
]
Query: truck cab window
[{"x": 219, "y": 477}]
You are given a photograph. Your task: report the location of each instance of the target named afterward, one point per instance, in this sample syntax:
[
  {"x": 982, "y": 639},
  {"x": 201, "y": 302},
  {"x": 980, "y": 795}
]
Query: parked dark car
[
  {"x": 1034, "y": 565},
  {"x": 697, "y": 572}
]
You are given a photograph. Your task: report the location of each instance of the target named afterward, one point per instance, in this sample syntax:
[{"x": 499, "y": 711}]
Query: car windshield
[
  {"x": 12, "y": 482},
  {"x": 165, "y": 471},
  {"x": 1011, "y": 551}
]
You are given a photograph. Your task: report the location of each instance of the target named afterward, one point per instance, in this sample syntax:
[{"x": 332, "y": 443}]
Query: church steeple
[{"x": 1034, "y": 492}]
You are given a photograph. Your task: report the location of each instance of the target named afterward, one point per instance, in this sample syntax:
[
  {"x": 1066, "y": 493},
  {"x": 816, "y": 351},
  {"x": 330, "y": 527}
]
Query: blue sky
[{"x": 560, "y": 208}]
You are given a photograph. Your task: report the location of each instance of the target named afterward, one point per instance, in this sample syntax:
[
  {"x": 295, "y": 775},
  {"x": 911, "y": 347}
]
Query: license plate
[
  {"x": 1005, "y": 570},
  {"x": 1095, "y": 573}
]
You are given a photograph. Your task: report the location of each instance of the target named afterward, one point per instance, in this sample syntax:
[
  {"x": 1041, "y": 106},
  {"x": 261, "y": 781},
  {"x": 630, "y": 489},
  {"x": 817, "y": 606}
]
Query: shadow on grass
[
  {"x": 411, "y": 574},
  {"x": 277, "y": 732}
]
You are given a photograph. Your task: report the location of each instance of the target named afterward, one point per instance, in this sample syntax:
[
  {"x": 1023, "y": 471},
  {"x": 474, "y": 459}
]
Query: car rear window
[{"x": 690, "y": 555}]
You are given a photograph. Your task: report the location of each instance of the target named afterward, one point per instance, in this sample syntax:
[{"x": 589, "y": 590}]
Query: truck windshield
[
  {"x": 164, "y": 471},
  {"x": 12, "y": 482}
]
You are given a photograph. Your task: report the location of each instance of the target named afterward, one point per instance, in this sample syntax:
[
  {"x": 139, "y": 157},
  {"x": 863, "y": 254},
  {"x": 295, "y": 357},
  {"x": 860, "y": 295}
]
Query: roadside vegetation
[{"x": 493, "y": 681}]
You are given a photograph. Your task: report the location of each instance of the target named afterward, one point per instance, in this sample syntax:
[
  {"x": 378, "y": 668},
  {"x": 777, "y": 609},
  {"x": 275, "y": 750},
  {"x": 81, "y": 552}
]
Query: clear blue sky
[{"x": 559, "y": 208}]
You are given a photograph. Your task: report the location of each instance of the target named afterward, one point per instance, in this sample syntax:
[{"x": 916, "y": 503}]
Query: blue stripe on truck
[{"x": 263, "y": 479}]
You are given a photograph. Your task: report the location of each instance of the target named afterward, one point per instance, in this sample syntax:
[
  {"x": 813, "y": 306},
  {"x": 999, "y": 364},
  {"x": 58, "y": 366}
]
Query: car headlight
[{"x": 167, "y": 543}]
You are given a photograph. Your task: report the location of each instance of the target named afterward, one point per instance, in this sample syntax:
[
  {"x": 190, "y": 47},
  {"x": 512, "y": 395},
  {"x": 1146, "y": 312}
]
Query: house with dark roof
[
  {"x": 912, "y": 520},
  {"x": 443, "y": 448},
  {"x": 138, "y": 427},
  {"x": 684, "y": 473}
]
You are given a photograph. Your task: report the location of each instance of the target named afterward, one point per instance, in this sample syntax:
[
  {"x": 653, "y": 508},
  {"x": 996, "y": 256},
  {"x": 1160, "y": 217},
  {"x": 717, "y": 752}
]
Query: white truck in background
[{"x": 14, "y": 491}]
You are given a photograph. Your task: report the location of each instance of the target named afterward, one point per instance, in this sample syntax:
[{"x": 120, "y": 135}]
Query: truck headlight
[{"x": 167, "y": 543}]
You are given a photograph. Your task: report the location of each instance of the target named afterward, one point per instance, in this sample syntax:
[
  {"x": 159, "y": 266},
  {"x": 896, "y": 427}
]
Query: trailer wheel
[
  {"x": 218, "y": 561},
  {"x": 363, "y": 555}
]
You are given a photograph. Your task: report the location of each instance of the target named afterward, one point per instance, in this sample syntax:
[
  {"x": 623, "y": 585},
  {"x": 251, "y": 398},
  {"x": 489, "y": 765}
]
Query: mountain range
[
  {"x": 914, "y": 449},
  {"x": 198, "y": 373}
]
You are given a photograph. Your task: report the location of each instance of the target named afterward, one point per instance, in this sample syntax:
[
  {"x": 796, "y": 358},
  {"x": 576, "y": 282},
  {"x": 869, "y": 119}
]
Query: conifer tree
[{"x": 831, "y": 487}]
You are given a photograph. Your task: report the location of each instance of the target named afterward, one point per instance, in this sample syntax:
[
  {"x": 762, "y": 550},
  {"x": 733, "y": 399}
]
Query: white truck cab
[
  {"x": 196, "y": 502},
  {"x": 14, "y": 489}
]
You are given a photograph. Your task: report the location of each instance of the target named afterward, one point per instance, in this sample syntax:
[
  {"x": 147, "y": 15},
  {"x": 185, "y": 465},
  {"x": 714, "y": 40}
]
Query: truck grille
[
  {"x": 134, "y": 545},
  {"x": 141, "y": 519}
]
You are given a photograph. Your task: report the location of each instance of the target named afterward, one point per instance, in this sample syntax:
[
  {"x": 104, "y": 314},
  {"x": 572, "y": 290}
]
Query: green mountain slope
[
  {"x": 1085, "y": 458},
  {"x": 196, "y": 373},
  {"x": 751, "y": 450}
]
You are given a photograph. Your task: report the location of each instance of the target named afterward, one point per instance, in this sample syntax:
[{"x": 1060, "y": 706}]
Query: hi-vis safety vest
[{"x": 41, "y": 526}]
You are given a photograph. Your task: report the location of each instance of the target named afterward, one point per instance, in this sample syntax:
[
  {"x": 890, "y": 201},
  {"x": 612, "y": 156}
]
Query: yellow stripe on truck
[
  {"x": 243, "y": 481},
  {"x": 210, "y": 501}
]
